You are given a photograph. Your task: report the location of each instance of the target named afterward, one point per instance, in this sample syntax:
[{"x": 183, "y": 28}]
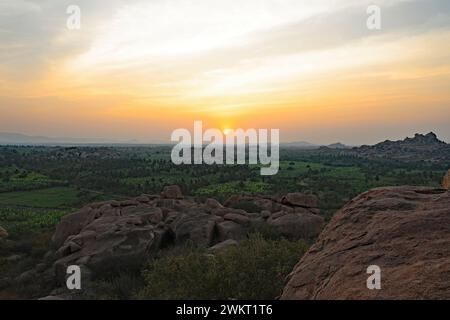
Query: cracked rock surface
[{"x": 403, "y": 230}]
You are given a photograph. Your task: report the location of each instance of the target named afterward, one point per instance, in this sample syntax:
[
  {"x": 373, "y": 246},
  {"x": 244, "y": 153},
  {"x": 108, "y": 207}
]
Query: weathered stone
[
  {"x": 127, "y": 203},
  {"x": 404, "y": 230},
  {"x": 238, "y": 218},
  {"x": 153, "y": 216},
  {"x": 143, "y": 198},
  {"x": 172, "y": 192},
  {"x": 230, "y": 230},
  {"x": 305, "y": 226},
  {"x": 213, "y": 204},
  {"x": 300, "y": 200},
  {"x": 72, "y": 224},
  {"x": 198, "y": 228}
]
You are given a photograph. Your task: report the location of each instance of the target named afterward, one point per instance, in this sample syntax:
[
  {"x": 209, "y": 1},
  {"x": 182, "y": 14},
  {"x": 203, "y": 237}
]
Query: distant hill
[
  {"x": 300, "y": 144},
  {"x": 338, "y": 145},
  {"x": 8, "y": 138},
  {"x": 419, "y": 148}
]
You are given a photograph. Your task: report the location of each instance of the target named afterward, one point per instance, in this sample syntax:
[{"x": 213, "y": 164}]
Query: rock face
[
  {"x": 405, "y": 231},
  {"x": 111, "y": 234},
  {"x": 422, "y": 147},
  {"x": 3, "y": 233},
  {"x": 446, "y": 181}
]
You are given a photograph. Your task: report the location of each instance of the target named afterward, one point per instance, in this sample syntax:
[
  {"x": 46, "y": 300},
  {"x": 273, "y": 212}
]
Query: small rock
[
  {"x": 172, "y": 192},
  {"x": 300, "y": 200},
  {"x": 239, "y": 219},
  {"x": 213, "y": 204},
  {"x": 230, "y": 230},
  {"x": 129, "y": 203},
  {"x": 223, "y": 245},
  {"x": 154, "y": 217},
  {"x": 143, "y": 199}
]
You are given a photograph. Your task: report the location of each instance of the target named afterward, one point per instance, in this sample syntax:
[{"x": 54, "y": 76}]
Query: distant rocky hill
[
  {"x": 419, "y": 148},
  {"x": 405, "y": 231}
]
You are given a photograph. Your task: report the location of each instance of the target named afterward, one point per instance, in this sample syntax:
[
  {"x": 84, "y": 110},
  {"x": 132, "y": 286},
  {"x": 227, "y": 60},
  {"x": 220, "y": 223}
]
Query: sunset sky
[{"x": 141, "y": 69}]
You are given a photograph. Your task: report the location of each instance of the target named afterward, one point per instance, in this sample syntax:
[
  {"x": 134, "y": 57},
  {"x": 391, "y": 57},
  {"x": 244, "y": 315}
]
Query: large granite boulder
[{"x": 405, "y": 231}]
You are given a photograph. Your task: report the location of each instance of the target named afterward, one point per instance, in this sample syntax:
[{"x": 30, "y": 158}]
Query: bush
[
  {"x": 256, "y": 269},
  {"x": 121, "y": 287},
  {"x": 248, "y": 206}
]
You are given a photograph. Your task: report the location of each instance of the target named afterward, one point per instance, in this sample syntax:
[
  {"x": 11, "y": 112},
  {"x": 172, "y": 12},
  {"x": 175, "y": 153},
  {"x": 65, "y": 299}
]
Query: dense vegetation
[{"x": 256, "y": 269}]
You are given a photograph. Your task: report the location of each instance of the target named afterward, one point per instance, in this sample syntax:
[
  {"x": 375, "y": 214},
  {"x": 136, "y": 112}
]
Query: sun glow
[{"x": 227, "y": 131}]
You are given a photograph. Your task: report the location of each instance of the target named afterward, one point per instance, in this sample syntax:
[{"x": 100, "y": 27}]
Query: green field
[
  {"x": 13, "y": 179},
  {"x": 24, "y": 221},
  {"x": 58, "y": 197}
]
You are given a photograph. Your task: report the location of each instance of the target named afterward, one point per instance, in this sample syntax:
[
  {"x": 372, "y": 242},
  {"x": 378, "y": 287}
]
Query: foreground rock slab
[{"x": 405, "y": 231}]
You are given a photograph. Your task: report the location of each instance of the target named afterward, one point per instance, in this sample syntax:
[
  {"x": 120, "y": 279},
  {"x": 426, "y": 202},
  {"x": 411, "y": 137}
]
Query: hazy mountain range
[{"x": 8, "y": 138}]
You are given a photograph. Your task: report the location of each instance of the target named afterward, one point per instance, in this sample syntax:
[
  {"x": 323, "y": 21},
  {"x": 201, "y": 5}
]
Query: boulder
[
  {"x": 72, "y": 224},
  {"x": 300, "y": 200},
  {"x": 3, "y": 233},
  {"x": 238, "y": 218},
  {"x": 172, "y": 192},
  {"x": 213, "y": 204},
  {"x": 296, "y": 226},
  {"x": 231, "y": 230},
  {"x": 108, "y": 241},
  {"x": 446, "y": 181},
  {"x": 405, "y": 231},
  {"x": 196, "y": 227}
]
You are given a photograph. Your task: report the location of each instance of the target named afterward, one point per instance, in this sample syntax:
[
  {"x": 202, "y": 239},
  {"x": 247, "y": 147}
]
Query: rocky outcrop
[
  {"x": 420, "y": 148},
  {"x": 3, "y": 233},
  {"x": 446, "y": 181},
  {"x": 405, "y": 231},
  {"x": 112, "y": 234}
]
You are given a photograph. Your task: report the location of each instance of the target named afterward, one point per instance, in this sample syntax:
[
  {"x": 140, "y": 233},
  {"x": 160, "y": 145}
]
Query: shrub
[
  {"x": 256, "y": 269},
  {"x": 248, "y": 206}
]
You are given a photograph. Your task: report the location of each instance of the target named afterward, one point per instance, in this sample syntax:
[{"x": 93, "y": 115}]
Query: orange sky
[{"x": 139, "y": 69}]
